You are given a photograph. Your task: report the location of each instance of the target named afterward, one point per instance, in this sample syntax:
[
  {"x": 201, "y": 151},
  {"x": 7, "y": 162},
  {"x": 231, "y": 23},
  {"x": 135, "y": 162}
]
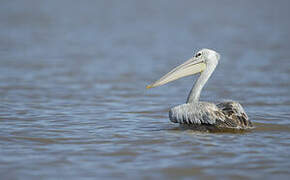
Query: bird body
[
  {"x": 203, "y": 115},
  {"x": 225, "y": 115}
]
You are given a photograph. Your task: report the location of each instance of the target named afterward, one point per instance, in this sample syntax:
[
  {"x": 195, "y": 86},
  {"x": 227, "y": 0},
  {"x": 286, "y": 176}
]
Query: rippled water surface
[{"x": 73, "y": 103}]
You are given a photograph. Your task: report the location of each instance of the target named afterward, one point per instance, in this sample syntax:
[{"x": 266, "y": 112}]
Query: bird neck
[{"x": 194, "y": 94}]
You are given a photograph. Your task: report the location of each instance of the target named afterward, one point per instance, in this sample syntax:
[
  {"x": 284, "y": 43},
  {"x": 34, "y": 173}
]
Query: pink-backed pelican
[{"x": 203, "y": 115}]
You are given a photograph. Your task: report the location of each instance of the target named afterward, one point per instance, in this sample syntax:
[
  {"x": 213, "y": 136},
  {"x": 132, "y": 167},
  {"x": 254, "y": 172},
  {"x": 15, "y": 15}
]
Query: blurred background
[{"x": 73, "y": 102}]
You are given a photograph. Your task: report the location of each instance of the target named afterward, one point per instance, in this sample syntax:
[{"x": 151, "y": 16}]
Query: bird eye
[{"x": 198, "y": 54}]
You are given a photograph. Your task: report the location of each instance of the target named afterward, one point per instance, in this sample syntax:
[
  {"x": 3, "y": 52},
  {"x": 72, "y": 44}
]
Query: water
[{"x": 73, "y": 103}]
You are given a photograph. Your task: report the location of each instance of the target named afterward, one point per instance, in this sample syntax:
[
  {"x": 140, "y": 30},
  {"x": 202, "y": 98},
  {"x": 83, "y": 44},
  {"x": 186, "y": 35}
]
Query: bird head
[{"x": 201, "y": 61}]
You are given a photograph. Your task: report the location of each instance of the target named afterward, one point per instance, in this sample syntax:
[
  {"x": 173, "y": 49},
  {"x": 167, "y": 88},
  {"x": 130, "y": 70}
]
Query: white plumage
[{"x": 203, "y": 115}]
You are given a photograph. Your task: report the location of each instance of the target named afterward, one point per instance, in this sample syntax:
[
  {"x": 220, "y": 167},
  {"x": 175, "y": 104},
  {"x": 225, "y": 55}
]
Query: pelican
[{"x": 203, "y": 115}]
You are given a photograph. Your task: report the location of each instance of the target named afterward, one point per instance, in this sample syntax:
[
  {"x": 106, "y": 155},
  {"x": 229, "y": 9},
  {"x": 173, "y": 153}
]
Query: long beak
[{"x": 190, "y": 67}]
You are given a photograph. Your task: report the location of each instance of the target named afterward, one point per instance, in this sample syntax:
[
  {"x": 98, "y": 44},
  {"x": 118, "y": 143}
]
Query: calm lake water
[{"x": 73, "y": 103}]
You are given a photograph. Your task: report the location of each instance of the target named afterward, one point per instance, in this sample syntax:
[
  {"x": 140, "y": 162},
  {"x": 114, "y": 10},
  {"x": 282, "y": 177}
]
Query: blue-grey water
[{"x": 73, "y": 103}]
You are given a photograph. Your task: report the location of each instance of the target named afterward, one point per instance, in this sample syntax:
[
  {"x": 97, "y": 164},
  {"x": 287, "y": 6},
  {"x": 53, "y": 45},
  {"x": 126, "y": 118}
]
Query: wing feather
[{"x": 228, "y": 114}]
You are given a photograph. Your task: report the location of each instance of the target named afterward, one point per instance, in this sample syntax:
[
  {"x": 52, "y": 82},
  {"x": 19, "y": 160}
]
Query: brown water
[{"x": 73, "y": 103}]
